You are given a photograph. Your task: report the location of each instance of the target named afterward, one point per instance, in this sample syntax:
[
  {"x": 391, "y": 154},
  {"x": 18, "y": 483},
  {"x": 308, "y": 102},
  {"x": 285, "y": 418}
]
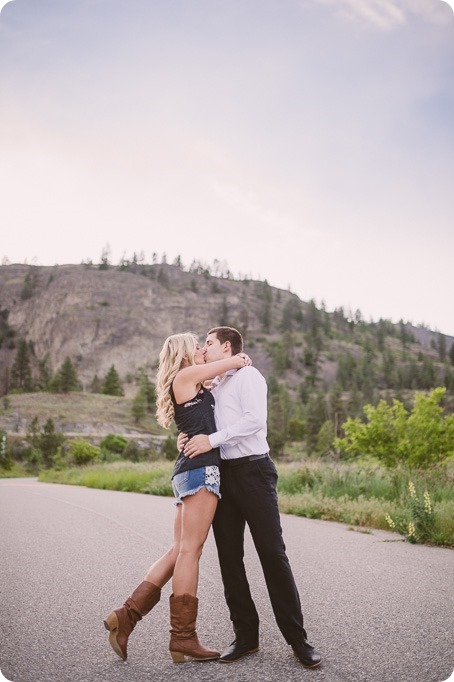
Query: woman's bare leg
[
  {"x": 162, "y": 570},
  {"x": 197, "y": 515},
  {"x": 122, "y": 621}
]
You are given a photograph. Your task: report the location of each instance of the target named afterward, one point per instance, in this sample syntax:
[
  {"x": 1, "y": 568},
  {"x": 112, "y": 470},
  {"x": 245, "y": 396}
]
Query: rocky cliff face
[
  {"x": 120, "y": 317},
  {"x": 105, "y": 317}
]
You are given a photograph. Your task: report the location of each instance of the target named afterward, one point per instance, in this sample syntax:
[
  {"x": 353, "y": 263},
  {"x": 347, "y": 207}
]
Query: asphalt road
[{"x": 379, "y": 610}]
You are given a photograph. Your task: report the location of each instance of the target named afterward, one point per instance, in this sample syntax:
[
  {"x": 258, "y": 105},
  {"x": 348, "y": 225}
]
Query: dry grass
[{"x": 75, "y": 408}]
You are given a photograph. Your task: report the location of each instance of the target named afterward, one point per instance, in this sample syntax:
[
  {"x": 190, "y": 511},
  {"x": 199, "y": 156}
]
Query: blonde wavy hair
[{"x": 176, "y": 348}]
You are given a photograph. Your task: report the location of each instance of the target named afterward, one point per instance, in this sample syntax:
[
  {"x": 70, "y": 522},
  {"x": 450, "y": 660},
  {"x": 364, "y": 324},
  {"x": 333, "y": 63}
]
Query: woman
[{"x": 182, "y": 398}]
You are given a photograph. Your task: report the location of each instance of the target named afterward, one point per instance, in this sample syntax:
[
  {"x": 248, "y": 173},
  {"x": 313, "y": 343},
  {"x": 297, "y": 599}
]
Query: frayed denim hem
[{"x": 196, "y": 490}]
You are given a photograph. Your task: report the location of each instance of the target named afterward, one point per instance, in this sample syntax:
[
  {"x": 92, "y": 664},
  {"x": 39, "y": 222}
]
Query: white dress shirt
[{"x": 240, "y": 413}]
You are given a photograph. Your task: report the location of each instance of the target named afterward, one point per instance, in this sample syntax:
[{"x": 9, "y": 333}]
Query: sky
[{"x": 306, "y": 142}]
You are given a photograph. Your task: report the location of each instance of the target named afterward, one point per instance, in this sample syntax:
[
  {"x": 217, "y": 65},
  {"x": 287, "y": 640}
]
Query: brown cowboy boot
[
  {"x": 122, "y": 621},
  {"x": 183, "y": 637}
]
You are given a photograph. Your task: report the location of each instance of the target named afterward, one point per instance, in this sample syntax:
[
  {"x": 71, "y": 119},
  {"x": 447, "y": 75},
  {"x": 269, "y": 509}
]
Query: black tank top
[{"x": 193, "y": 417}]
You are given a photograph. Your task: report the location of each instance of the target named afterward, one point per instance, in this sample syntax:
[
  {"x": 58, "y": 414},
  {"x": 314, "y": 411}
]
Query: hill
[
  {"x": 120, "y": 317},
  {"x": 101, "y": 316}
]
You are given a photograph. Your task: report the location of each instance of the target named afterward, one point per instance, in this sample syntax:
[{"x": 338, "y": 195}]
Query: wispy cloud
[{"x": 389, "y": 14}]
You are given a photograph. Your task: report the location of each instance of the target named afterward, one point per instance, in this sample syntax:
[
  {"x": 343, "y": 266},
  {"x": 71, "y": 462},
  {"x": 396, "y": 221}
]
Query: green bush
[
  {"x": 34, "y": 460},
  {"x": 296, "y": 428},
  {"x": 293, "y": 481},
  {"x": 113, "y": 443},
  {"x": 325, "y": 438},
  {"x": 81, "y": 452},
  {"x": 109, "y": 456},
  {"x": 420, "y": 438},
  {"x": 133, "y": 452}
]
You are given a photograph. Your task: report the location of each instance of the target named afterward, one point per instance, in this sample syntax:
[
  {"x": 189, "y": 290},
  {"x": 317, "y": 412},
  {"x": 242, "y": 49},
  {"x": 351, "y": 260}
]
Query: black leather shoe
[
  {"x": 306, "y": 654},
  {"x": 237, "y": 650}
]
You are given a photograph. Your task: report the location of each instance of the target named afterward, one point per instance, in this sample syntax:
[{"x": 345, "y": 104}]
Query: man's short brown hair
[{"x": 224, "y": 334}]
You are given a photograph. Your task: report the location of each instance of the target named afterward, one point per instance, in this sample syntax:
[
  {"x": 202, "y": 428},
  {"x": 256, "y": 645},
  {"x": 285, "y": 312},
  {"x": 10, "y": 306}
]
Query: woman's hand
[{"x": 243, "y": 360}]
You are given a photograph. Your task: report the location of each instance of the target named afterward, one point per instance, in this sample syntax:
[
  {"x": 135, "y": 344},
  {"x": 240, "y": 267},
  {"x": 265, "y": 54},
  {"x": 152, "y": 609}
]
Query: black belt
[{"x": 242, "y": 460}]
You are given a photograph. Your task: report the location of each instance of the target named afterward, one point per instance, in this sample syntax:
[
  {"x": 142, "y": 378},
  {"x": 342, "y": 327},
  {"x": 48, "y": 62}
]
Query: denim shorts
[{"x": 190, "y": 482}]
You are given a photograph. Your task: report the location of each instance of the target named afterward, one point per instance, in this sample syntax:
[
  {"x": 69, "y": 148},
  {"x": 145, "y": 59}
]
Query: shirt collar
[{"x": 217, "y": 380}]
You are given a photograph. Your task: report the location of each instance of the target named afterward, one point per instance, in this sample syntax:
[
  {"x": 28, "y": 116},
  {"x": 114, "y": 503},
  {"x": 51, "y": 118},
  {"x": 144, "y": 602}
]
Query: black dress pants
[{"x": 249, "y": 496}]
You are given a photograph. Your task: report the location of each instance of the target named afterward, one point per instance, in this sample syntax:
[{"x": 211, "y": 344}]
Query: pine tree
[
  {"x": 278, "y": 420},
  {"x": 28, "y": 288},
  {"x": 381, "y": 334},
  {"x": 150, "y": 391},
  {"x": 32, "y": 436},
  {"x": 316, "y": 415},
  {"x": 355, "y": 401},
  {"x": 112, "y": 384},
  {"x": 325, "y": 439},
  {"x": 96, "y": 385},
  {"x": 45, "y": 373},
  {"x": 265, "y": 292},
  {"x": 314, "y": 323},
  {"x": 441, "y": 347},
  {"x": 389, "y": 368},
  {"x": 66, "y": 379},
  {"x": 49, "y": 442},
  {"x": 21, "y": 375},
  {"x": 292, "y": 316},
  {"x": 336, "y": 407},
  {"x": 139, "y": 405},
  {"x": 449, "y": 378}
]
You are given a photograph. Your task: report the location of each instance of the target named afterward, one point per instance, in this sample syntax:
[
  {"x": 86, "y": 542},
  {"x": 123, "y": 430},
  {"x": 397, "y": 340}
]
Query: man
[{"x": 248, "y": 488}]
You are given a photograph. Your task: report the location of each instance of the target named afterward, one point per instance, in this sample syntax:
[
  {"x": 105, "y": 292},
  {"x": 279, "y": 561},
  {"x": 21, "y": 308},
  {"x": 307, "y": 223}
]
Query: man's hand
[
  {"x": 197, "y": 446},
  {"x": 181, "y": 441}
]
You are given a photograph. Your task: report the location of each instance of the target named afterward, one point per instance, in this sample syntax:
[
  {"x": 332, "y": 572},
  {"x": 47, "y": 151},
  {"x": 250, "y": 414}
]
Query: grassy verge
[
  {"x": 152, "y": 478},
  {"x": 358, "y": 494},
  {"x": 361, "y": 494},
  {"x": 16, "y": 471}
]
